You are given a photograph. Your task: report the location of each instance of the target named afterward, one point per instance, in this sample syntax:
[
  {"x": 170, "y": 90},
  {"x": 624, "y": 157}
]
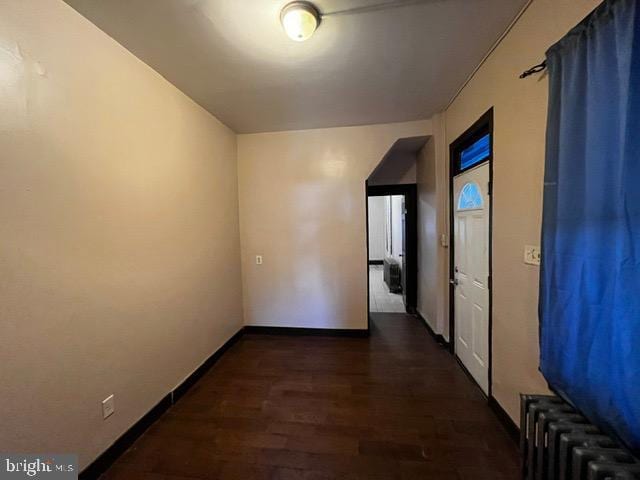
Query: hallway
[{"x": 392, "y": 406}]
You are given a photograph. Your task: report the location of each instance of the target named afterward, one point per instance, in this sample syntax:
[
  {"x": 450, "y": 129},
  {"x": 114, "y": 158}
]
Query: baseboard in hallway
[
  {"x": 507, "y": 422},
  {"x": 392, "y": 405},
  {"x": 321, "y": 332},
  {"x": 123, "y": 443},
  {"x": 106, "y": 459},
  {"x": 436, "y": 336}
]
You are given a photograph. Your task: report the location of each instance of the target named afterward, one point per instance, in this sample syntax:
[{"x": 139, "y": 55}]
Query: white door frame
[{"x": 482, "y": 126}]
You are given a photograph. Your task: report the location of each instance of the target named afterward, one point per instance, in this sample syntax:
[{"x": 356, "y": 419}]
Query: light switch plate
[
  {"x": 532, "y": 255},
  {"x": 258, "y": 259},
  {"x": 108, "y": 407}
]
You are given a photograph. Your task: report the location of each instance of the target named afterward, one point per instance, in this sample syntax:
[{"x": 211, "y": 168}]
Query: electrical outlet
[
  {"x": 108, "y": 407},
  {"x": 531, "y": 255},
  {"x": 258, "y": 259}
]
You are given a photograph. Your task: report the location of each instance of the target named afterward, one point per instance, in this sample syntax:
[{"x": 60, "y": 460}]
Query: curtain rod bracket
[{"x": 535, "y": 69}]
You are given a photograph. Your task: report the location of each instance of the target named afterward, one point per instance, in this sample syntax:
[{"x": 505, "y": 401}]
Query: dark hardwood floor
[{"x": 392, "y": 406}]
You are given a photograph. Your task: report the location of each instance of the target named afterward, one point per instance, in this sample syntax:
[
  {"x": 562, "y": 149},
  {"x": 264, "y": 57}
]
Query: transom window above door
[
  {"x": 470, "y": 197},
  {"x": 476, "y": 153},
  {"x": 474, "y": 147}
]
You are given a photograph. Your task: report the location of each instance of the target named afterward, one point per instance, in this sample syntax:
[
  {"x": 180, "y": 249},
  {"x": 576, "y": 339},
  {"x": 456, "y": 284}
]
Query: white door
[{"x": 471, "y": 274}]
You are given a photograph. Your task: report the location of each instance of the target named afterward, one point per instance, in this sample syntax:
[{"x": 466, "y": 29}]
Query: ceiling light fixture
[{"x": 300, "y": 20}]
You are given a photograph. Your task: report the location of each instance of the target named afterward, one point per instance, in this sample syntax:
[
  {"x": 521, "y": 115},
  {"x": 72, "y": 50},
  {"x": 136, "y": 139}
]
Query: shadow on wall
[{"x": 398, "y": 166}]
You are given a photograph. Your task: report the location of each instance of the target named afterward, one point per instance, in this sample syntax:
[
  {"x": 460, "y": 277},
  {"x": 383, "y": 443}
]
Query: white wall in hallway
[
  {"x": 396, "y": 208},
  {"x": 377, "y": 227}
]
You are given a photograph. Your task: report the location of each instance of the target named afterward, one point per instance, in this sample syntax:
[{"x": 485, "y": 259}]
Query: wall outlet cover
[
  {"x": 532, "y": 255},
  {"x": 258, "y": 259},
  {"x": 108, "y": 407}
]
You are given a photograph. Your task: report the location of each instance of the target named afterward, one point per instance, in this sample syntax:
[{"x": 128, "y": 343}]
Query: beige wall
[
  {"x": 395, "y": 169},
  {"x": 427, "y": 235},
  {"x": 520, "y": 122},
  {"x": 433, "y": 256},
  {"x": 119, "y": 242},
  {"x": 302, "y": 206}
]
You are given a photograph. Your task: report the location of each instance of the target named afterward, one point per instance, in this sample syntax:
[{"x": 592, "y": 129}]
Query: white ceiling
[{"x": 232, "y": 57}]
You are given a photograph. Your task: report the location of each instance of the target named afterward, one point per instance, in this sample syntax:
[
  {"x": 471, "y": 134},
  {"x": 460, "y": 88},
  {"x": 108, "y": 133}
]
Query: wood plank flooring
[{"x": 392, "y": 406}]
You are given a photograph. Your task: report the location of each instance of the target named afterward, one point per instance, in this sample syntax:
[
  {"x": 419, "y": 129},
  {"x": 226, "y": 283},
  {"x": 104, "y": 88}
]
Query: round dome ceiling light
[{"x": 300, "y": 20}]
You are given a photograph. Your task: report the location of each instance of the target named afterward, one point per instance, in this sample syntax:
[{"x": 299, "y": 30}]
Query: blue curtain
[{"x": 590, "y": 276}]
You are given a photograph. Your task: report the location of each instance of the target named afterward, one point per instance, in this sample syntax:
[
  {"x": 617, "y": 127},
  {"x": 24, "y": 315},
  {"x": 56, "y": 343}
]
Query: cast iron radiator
[
  {"x": 557, "y": 443},
  {"x": 392, "y": 275}
]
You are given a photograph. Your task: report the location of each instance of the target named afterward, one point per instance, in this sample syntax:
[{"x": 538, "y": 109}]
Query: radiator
[
  {"x": 392, "y": 275},
  {"x": 557, "y": 443}
]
